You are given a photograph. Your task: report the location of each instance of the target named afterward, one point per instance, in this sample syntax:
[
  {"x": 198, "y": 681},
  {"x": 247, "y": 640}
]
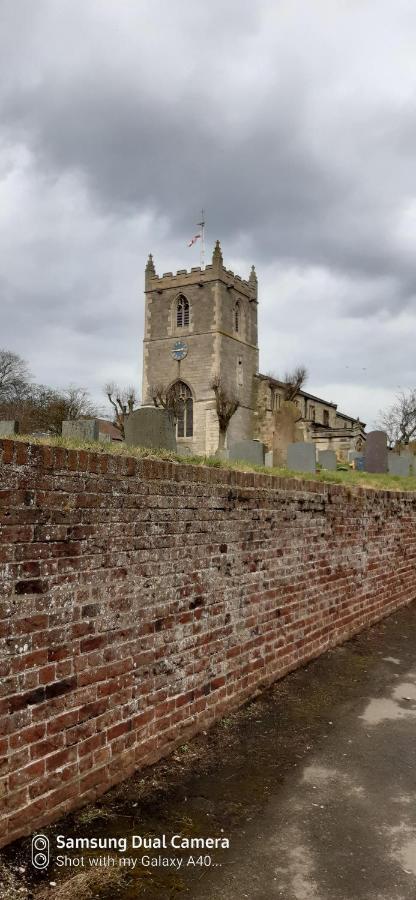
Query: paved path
[{"x": 342, "y": 826}]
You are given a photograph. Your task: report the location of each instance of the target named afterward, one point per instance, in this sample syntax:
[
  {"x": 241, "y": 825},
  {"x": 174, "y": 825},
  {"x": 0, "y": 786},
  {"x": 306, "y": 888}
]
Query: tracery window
[
  {"x": 185, "y": 413},
  {"x": 182, "y": 312}
]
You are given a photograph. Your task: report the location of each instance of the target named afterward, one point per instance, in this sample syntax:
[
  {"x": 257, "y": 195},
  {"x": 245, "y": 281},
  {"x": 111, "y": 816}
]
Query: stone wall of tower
[{"x": 216, "y": 344}]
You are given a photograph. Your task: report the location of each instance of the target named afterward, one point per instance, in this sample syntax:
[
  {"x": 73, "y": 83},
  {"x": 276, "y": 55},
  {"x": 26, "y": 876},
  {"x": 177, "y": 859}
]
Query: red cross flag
[{"x": 194, "y": 240}]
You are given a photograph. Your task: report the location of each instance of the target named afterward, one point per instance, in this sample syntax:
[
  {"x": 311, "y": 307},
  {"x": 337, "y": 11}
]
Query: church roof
[
  {"x": 308, "y": 396},
  {"x": 302, "y": 393}
]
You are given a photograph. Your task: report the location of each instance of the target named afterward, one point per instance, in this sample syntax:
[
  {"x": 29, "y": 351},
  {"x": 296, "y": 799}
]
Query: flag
[{"x": 194, "y": 240}]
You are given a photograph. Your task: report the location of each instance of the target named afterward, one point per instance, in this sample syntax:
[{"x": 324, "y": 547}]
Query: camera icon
[{"x": 40, "y": 851}]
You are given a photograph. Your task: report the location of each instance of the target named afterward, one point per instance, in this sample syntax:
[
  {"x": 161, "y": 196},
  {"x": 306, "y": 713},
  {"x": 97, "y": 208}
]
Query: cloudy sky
[{"x": 292, "y": 122}]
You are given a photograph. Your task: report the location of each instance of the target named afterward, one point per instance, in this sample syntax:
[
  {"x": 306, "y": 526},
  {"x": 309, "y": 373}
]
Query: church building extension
[{"x": 201, "y": 325}]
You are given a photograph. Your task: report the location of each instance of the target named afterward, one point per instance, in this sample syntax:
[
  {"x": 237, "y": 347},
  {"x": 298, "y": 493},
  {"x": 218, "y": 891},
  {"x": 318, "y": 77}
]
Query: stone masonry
[{"x": 216, "y": 344}]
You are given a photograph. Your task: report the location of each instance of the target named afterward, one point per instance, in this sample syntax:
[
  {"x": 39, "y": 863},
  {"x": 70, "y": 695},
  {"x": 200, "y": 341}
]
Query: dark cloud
[{"x": 292, "y": 125}]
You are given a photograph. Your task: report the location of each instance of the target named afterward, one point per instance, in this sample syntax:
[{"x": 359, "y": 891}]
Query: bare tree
[
  {"x": 170, "y": 397},
  {"x": 41, "y": 408},
  {"x": 294, "y": 382},
  {"x": 399, "y": 420},
  {"x": 226, "y": 405},
  {"x": 14, "y": 376},
  {"x": 54, "y": 407},
  {"x": 123, "y": 402}
]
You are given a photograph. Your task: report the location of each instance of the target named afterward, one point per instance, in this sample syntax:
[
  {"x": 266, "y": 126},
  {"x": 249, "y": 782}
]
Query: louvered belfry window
[
  {"x": 182, "y": 312},
  {"x": 237, "y": 317}
]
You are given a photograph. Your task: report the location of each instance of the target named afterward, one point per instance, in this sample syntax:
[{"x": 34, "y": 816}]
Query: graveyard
[{"x": 395, "y": 479}]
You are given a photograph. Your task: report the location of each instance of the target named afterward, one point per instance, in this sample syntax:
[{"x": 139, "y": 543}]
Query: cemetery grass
[{"x": 347, "y": 477}]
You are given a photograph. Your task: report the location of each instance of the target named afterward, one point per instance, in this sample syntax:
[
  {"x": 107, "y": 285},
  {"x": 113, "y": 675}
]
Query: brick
[{"x": 24, "y": 776}]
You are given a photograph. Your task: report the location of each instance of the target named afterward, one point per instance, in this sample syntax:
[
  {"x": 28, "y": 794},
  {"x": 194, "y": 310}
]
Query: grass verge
[{"x": 341, "y": 476}]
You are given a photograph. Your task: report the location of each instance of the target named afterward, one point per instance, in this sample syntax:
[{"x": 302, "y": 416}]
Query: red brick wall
[{"x": 140, "y": 600}]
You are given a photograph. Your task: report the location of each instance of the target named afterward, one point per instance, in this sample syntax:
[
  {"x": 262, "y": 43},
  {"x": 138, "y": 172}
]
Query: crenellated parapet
[{"x": 199, "y": 276}]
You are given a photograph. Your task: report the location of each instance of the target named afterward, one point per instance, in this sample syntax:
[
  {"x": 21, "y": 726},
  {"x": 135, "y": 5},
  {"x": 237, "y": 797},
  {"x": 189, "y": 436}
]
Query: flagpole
[{"x": 201, "y": 224}]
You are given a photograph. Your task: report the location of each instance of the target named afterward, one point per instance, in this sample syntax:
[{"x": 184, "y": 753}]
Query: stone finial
[
  {"x": 150, "y": 267},
  {"x": 253, "y": 281},
  {"x": 150, "y": 270},
  {"x": 217, "y": 260}
]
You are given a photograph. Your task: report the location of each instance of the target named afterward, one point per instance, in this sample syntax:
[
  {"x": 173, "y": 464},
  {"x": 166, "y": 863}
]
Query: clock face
[{"x": 179, "y": 350}]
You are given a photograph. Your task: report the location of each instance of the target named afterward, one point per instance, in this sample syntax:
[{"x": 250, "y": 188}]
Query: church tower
[{"x": 198, "y": 325}]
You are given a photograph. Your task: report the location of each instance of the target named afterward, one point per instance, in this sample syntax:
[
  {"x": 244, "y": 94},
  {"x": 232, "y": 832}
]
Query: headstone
[
  {"x": 301, "y": 457},
  {"x": 352, "y": 454},
  {"x": 151, "y": 427},
  {"x": 268, "y": 459},
  {"x": 8, "y": 427},
  {"x": 327, "y": 459},
  {"x": 185, "y": 451},
  {"x": 248, "y": 451},
  {"x": 81, "y": 429},
  {"x": 375, "y": 453},
  {"x": 411, "y": 458},
  {"x": 359, "y": 463},
  {"x": 399, "y": 465}
]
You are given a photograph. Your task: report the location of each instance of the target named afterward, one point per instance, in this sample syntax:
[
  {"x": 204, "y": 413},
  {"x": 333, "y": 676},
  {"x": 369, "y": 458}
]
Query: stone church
[{"x": 203, "y": 324}]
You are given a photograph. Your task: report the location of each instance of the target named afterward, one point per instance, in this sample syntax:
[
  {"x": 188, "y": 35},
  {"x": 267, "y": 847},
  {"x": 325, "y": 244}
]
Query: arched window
[
  {"x": 182, "y": 312},
  {"x": 237, "y": 316},
  {"x": 185, "y": 410}
]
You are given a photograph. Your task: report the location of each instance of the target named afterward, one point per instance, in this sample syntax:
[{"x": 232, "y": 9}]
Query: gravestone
[
  {"x": 352, "y": 454},
  {"x": 81, "y": 429},
  {"x": 327, "y": 459},
  {"x": 301, "y": 457},
  {"x": 247, "y": 451},
  {"x": 411, "y": 458},
  {"x": 359, "y": 463},
  {"x": 268, "y": 459},
  {"x": 8, "y": 427},
  {"x": 185, "y": 451},
  {"x": 399, "y": 464},
  {"x": 150, "y": 427},
  {"x": 375, "y": 453}
]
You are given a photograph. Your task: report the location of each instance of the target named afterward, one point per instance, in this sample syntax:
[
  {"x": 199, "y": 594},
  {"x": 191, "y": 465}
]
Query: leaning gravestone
[
  {"x": 248, "y": 451},
  {"x": 8, "y": 427},
  {"x": 375, "y": 453},
  {"x": 327, "y": 459},
  {"x": 399, "y": 465},
  {"x": 301, "y": 457},
  {"x": 150, "y": 427},
  {"x": 81, "y": 429}
]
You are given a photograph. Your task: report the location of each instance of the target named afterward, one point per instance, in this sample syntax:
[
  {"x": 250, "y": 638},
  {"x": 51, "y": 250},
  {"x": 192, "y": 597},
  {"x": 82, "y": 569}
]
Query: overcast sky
[{"x": 293, "y": 123}]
